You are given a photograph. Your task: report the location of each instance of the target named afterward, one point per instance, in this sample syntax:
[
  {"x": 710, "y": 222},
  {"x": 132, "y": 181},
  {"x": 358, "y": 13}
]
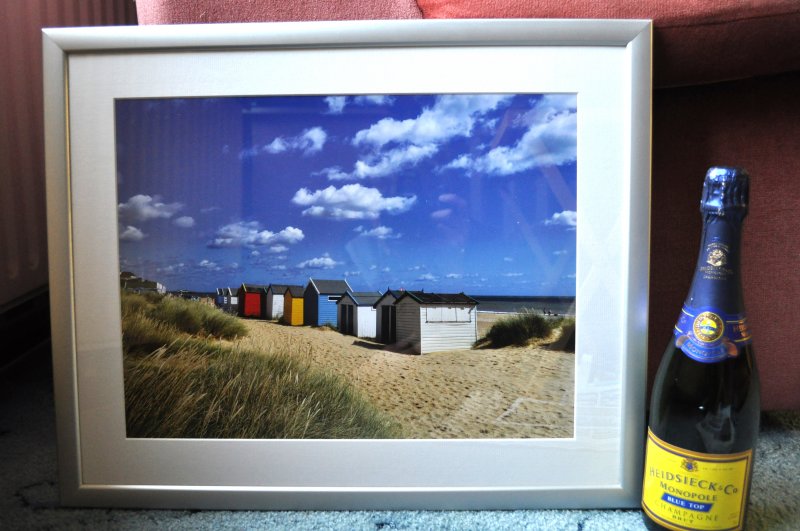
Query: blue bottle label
[{"x": 709, "y": 335}]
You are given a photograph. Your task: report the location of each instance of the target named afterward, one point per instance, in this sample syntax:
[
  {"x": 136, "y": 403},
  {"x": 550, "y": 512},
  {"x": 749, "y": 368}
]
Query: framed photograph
[{"x": 350, "y": 265}]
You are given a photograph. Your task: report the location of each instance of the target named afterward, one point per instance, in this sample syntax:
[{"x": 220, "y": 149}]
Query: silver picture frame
[{"x": 606, "y": 63}]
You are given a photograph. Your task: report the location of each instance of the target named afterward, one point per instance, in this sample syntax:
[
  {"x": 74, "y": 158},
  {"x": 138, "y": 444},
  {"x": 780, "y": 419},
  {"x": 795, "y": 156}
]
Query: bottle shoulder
[{"x": 706, "y": 407}]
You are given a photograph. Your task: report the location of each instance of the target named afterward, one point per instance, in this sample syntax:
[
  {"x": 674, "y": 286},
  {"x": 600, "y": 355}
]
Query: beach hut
[
  {"x": 232, "y": 304},
  {"x": 274, "y": 300},
  {"x": 433, "y": 322},
  {"x": 293, "y": 306},
  {"x": 357, "y": 313},
  {"x": 250, "y": 300},
  {"x": 228, "y": 300},
  {"x": 386, "y": 317},
  {"x": 320, "y": 298}
]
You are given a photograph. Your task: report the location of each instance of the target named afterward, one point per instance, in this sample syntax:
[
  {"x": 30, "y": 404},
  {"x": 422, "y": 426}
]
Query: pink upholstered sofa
[{"x": 727, "y": 92}]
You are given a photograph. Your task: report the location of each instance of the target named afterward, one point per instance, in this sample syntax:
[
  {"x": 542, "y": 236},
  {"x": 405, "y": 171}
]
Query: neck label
[{"x": 709, "y": 335}]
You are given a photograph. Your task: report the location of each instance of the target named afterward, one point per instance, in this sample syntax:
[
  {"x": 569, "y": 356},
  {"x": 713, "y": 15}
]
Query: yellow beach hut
[{"x": 293, "y": 305}]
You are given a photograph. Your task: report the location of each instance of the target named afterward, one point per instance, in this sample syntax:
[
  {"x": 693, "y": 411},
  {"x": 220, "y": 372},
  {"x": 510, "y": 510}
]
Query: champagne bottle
[{"x": 705, "y": 404}]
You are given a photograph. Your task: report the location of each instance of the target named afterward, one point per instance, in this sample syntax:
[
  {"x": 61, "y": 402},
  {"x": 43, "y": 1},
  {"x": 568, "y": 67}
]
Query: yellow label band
[{"x": 686, "y": 490}]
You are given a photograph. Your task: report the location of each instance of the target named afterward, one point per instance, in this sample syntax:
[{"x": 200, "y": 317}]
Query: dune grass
[
  {"x": 522, "y": 328},
  {"x": 152, "y": 320},
  {"x": 566, "y": 338},
  {"x": 182, "y": 382}
]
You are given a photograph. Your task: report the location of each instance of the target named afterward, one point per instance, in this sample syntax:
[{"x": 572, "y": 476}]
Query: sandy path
[{"x": 509, "y": 392}]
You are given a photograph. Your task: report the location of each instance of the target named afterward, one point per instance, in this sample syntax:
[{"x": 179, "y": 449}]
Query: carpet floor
[{"x": 29, "y": 487}]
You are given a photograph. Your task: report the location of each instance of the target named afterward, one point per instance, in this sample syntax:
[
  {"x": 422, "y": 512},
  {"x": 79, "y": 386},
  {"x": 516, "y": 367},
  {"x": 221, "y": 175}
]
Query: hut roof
[
  {"x": 423, "y": 297},
  {"x": 330, "y": 287},
  {"x": 253, "y": 288},
  {"x": 294, "y": 291},
  {"x": 393, "y": 293},
  {"x": 278, "y": 288},
  {"x": 364, "y": 298}
]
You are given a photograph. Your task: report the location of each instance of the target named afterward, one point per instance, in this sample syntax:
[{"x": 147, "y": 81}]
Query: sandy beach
[{"x": 484, "y": 393}]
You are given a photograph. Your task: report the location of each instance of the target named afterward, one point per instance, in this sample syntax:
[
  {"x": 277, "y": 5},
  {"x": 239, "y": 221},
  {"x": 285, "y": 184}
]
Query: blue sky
[{"x": 446, "y": 193}]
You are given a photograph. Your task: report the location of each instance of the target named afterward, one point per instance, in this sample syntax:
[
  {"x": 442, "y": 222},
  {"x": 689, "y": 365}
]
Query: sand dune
[{"x": 486, "y": 393}]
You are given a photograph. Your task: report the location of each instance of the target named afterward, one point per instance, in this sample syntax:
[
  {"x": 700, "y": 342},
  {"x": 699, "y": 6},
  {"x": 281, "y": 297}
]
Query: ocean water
[{"x": 515, "y": 304}]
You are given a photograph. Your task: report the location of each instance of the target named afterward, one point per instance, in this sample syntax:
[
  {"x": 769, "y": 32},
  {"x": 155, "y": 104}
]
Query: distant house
[
  {"x": 293, "y": 306},
  {"x": 251, "y": 300},
  {"x": 433, "y": 322},
  {"x": 320, "y": 298},
  {"x": 386, "y": 317},
  {"x": 357, "y": 314},
  {"x": 274, "y": 300},
  {"x": 130, "y": 282}
]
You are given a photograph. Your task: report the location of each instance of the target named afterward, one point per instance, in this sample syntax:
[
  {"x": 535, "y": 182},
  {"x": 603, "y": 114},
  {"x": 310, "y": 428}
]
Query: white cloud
[
  {"x": 507, "y": 259},
  {"x": 441, "y": 214},
  {"x": 381, "y": 233},
  {"x": 144, "y": 208},
  {"x": 184, "y": 222},
  {"x": 565, "y": 218},
  {"x": 390, "y": 161},
  {"x": 561, "y": 252},
  {"x": 550, "y": 140},
  {"x": 279, "y": 145},
  {"x": 547, "y": 106},
  {"x": 454, "y": 275},
  {"x": 131, "y": 234},
  {"x": 452, "y": 198},
  {"x": 250, "y": 234},
  {"x": 383, "y": 164},
  {"x": 428, "y": 277},
  {"x": 450, "y": 116},
  {"x": 351, "y": 201},
  {"x": 209, "y": 265},
  {"x": 172, "y": 268},
  {"x": 512, "y": 275},
  {"x": 394, "y": 145},
  {"x": 323, "y": 262},
  {"x": 310, "y": 141},
  {"x": 375, "y": 99},
  {"x": 336, "y": 104},
  {"x": 278, "y": 249}
]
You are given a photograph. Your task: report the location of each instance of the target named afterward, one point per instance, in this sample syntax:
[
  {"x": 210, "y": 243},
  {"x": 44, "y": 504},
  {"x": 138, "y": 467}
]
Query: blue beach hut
[{"x": 319, "y": 301}]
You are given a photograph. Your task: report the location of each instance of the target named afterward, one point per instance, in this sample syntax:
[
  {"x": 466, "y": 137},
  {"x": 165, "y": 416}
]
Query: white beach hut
[
  {"x": 275, "y": 300},
  {"x": 433, "y": 322},
  {"x": 356, "y": 313}
]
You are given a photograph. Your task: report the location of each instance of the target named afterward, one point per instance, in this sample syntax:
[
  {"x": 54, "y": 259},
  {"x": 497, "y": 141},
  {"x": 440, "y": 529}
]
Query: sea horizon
[{"x": 554, "y": 304}]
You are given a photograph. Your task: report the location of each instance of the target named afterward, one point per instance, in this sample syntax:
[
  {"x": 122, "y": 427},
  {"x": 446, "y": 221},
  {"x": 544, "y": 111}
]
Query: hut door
[
  {"x": 392, "y": 324},
  {"x": 385, "y": 332},
  {"x": 388, "y": 324},
  {"x": 350, "y": 320}
]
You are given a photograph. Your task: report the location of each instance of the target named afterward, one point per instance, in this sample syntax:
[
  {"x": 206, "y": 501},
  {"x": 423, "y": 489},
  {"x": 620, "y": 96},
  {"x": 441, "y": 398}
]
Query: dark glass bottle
[{"x": 705, "y": 405}]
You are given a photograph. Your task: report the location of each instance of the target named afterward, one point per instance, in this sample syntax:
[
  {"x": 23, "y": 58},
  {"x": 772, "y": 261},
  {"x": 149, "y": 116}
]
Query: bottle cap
[{"x": 725, "y": 189}]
